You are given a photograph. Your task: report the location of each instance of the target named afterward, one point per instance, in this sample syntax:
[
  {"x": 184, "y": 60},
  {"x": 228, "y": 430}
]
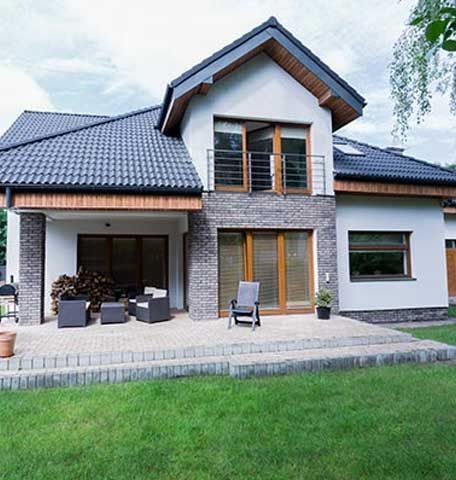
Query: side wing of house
[{"x": 390, "y": 233}]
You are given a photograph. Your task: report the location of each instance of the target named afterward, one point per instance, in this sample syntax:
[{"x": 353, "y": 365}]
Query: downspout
[{"x": 8, "y": 197}]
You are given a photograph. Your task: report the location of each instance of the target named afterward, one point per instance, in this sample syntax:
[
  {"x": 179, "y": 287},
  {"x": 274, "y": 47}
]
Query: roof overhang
[
  {"x": 353, "y": 187},
  {"x": 57, "y": 200},
  {"x": 280, "y": 45}
]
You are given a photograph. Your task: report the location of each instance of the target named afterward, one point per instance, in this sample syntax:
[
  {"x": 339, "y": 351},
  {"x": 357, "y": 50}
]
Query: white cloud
[
  {"x": 110, "y": 56},
  {"x": 19, "y": 92}
]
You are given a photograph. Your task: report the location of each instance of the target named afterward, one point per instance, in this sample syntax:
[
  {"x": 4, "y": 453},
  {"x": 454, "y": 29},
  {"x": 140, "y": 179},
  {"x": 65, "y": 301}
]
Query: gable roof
[
  {"x": 125, "y": 153},
  {"x": 381, "y": 164},
  {"x": 273, "y": 39}
]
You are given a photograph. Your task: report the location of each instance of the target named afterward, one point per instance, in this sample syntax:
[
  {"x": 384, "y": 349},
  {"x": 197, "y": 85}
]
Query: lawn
[
  {"x": 379, "y": 423},
  {"x": 444, "y": 333},
  {"x": 452, "y": 311}
]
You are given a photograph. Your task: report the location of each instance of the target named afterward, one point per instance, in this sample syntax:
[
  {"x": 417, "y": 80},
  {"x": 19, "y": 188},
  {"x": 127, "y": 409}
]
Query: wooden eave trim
[
  {"x": 2, "y": 200},
  {"x": 345, "y": 106},
  {"x": 396, "y": 189},
  {"x": 104, "y": 201},
  {"x": 449, "y": 210}
]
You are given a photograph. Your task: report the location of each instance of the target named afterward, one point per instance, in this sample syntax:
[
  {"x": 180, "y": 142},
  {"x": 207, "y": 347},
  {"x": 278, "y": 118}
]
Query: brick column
[
  {"x": 31, "y": 268},
  {"x": 202, "y": 268}
]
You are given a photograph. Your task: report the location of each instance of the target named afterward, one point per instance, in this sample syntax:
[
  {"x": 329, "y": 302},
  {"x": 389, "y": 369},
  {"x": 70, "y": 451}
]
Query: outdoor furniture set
[{"x": 151, "y": 307}]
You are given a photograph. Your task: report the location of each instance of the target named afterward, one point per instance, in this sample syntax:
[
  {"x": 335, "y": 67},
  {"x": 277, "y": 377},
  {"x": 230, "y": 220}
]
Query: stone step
[
  {"x": 57, "y": 361},
  {"x": 241, "y": 365},
  {"x": 422, "y": 351}
]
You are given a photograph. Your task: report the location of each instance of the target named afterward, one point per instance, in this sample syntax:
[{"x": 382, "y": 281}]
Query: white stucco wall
[
  {"x": 61, "y": 246},
  {"x": 12, "y": 247},
  {"x": 450, "y": 227},
  {"x": 261, "y": 90},
  {"x": 424, "y": 218}
]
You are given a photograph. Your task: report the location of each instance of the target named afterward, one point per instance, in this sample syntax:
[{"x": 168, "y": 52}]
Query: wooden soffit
[
  {"x": 393, "y": 189},
  {"x": 449, "y": 210},
  {"x": 344, "y": 105},
  {"x": 2, "y": 200},
  {"x": 104, "y": 201}
]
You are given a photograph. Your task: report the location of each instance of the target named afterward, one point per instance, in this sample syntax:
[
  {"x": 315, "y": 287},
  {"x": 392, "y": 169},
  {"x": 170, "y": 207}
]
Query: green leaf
[
  {"x": 416, "y": 21},
  {"x": 435, "y": 29},
  {"x": 449, "y": 45},
  {"x": 449, "y": 11}
]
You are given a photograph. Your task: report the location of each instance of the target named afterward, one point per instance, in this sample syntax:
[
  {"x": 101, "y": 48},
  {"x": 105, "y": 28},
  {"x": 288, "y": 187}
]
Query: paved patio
[{"x": 181, "y": 332}]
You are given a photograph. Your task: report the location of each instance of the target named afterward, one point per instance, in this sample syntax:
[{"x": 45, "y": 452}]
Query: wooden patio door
[
  {"x": 451, "y": 271},
  {"x": 280, "y": 260}
]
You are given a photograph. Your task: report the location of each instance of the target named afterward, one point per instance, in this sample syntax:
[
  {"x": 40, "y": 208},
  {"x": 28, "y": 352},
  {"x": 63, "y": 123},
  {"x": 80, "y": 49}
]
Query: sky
[{"x": 114, "y": 56}]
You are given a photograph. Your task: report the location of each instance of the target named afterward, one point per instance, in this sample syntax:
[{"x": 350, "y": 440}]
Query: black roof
[
  {"x": 125, "y": 152},
  {"x": 270, "y": 29},
  {"x": 382, "y": 164}
]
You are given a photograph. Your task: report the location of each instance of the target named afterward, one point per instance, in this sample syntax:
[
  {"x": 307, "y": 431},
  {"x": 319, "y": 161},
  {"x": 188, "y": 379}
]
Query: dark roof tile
[
  {"x": 381, "y": 164},
  {"x": 125, "y": 152}
]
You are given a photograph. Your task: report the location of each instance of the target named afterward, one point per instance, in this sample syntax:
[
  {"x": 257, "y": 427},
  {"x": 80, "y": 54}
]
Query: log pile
[{"x": 97, "y": 286}]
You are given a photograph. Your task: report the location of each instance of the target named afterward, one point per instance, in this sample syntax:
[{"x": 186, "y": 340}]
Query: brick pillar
[
  {"x": 202, "y": 268},
  {"x": 31, "y": 268}
]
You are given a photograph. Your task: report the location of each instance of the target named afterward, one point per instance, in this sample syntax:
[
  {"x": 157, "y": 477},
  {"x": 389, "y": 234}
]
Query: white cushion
[
  {"x": 132, "y": 300},
  {"x": 156, "y": 292},
  {"x": 143, "y": 305}
]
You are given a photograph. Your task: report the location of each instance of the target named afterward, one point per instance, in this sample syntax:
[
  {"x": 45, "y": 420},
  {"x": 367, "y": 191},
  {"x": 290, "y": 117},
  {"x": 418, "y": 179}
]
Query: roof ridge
[
  {"x": 48, "y": 112},
  {"x": 272, "y": 21},
  {"x": 58, "y": 133},
  {"x": 400, "y": 155}
]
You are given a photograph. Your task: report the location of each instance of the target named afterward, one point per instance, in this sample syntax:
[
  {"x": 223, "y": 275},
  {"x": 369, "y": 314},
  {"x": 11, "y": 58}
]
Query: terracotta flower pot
[{"x": 7, "y": 342}]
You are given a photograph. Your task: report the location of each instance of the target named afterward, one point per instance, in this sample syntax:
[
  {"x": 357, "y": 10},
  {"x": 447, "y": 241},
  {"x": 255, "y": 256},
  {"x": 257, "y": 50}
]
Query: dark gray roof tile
[
  {"x": 381, "y": 164},
  {"x": 124, "y": 152}
]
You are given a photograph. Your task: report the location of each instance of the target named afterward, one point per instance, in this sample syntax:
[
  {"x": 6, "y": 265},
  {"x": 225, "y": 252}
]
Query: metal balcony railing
[{"x": 250, "y": 171}]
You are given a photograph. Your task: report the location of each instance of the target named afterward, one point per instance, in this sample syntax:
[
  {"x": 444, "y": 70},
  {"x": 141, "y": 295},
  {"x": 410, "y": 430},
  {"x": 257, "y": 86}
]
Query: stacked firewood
[{"x": 97, "y": 286}]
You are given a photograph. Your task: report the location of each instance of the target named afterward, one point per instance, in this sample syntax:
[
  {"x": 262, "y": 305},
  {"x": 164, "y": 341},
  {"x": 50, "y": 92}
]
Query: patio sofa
[
  {"x": 153, "y": 307},
  {"x": 73, "y": 311}
]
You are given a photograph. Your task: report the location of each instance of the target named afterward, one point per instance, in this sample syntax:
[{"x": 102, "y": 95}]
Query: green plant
[
  {"x": 324, "y": 298},
  {"x": 424, "y": 62}
]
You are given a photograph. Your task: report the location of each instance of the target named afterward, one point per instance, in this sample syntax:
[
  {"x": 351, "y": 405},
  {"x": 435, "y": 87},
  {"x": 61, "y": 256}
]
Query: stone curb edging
[
  {"x": 29, "y": 362},
  {"x": 236, "y": 366}
]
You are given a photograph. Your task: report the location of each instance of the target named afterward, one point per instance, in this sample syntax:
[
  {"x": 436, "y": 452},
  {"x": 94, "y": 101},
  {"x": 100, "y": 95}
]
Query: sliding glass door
[{"x": 280, "y": 260}]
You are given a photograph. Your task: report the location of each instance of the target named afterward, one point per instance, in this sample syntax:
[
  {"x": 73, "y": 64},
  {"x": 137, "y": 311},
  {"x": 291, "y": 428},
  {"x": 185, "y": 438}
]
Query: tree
[
  {"x": 2, "y": 237},
  {"x": 424, "y": 62}
]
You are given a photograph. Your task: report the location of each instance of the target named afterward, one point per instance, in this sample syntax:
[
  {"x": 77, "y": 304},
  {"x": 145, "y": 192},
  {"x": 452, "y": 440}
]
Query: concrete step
[
  {"x": 58, "y": 361},
  {"x": 240, "y": 365}
]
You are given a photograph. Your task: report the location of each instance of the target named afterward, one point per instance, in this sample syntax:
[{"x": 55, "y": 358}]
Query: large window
[
  {"x": 379, "y": 255},
  {"x": 280, "y": 260},
  {"x": 258, "y": 155},
  {"x": 131, "y": 260}
]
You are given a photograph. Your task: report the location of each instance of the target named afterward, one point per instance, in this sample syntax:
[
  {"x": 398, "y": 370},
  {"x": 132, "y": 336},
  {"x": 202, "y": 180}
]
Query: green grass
[
  {"x": 379, "y": 423},
  {"x": 452, "y": 311},
  {"x": 444, "y": 333}
]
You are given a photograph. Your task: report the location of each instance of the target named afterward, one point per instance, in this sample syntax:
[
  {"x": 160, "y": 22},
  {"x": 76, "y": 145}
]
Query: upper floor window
[
  {"x": 254, "y": 155},
  {"x": 377, "y": 255}
]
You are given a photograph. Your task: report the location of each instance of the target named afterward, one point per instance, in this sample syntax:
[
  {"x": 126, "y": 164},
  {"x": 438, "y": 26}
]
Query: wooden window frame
[
  {"x": 281, "y": 253},
  {"x": 139, "y": 238},
  {"x": 276, "y": 151},
  {"x": 405, "y": 247}
]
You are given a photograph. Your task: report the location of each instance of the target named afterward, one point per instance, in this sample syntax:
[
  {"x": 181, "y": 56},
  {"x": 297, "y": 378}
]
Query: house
[{"x": 238, "y": 174}]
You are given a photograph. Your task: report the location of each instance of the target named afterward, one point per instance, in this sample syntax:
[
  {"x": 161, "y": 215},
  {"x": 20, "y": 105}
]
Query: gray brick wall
[
  {"x": 32, "y": 235},
  {"x": 399, "y": 315},
  {"x": 261, "y": 211}
]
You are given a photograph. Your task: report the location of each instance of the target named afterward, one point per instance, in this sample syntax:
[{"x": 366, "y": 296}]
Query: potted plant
[
  {"x": 323, "y": 300},
  {"x": 7, "y": 342}
]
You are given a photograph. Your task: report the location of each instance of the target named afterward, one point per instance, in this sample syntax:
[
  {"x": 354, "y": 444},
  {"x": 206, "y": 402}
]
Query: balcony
[{"x": 250, "y": 171}]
